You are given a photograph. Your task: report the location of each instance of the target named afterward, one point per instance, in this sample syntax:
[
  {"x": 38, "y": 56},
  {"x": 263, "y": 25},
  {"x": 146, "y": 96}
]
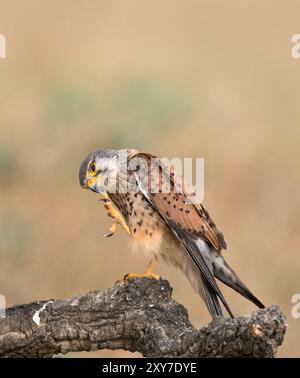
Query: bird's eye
[{"x": 92, "y": 169}]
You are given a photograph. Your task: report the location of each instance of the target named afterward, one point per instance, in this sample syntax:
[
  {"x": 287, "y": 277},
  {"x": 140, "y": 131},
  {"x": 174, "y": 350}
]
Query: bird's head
[{"x": 101, "y": 171}]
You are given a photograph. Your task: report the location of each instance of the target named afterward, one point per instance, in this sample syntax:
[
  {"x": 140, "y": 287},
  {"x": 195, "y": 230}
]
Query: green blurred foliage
[
  {"x": 10, "y": 169},
  {"x": 16, "y": 237},
  {"x": 64, "y": 106},
  {"x": 139, "y": 109},
  {"x": 132, "y": 110}
]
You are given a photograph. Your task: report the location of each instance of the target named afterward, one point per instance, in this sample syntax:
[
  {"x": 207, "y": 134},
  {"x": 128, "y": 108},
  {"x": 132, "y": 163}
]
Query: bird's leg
[
  {"x": 115, "y": 214},
  {"x": 148, "y": 272},
  {"x": 149, "y": 269}
]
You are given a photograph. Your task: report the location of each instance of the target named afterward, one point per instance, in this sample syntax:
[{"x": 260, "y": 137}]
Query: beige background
[{"x": 213, "y": 79}]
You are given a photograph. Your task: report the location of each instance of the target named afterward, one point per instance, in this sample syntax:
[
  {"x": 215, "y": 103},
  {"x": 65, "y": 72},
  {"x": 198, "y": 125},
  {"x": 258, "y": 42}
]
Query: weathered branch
[{"x": 138, "y": 315}]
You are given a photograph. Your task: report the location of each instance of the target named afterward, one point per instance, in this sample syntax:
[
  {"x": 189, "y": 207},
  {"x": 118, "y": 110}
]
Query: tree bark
[{"x": 136, "y": 315}]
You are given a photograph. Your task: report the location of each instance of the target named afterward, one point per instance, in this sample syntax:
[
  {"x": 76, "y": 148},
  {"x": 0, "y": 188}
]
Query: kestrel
[{"x": 164, "y": 224}]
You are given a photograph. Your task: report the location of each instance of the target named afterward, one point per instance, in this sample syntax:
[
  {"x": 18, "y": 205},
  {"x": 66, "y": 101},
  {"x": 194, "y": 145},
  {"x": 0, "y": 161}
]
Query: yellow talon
[
  {"x": 112, "y": 230},
  {"x": 147, "y": 274},
  {"x": 141, "y": 275},
  {"x": 115, "y": 214}
]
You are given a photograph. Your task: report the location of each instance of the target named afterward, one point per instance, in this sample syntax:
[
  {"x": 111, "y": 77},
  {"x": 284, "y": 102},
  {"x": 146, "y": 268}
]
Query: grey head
[{"x": 100, "y": 170}]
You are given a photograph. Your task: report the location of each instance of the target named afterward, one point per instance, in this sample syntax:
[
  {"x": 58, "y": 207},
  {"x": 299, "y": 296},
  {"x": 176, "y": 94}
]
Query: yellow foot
[
  {"x": 141, "y": 275},
  {"x": 147, "y": 274},
  {"x": 115, "y": 214}
]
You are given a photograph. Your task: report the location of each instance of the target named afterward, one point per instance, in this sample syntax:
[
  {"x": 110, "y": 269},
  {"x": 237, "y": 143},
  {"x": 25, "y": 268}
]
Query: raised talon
[
  {"x": 112, "y": 230},
  {"x": 104, "y": 200},
  {"x": 111, "y": 211},
  {"x": 115, "y": 214}
]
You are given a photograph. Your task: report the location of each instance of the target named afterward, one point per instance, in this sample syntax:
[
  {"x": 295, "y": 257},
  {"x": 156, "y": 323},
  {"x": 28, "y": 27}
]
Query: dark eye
[{"x": 92, "y": 169}]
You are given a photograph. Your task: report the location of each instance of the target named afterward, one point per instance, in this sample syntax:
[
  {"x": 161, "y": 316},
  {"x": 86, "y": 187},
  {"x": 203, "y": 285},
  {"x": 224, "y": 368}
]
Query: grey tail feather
[
  {"x": 211, "y": 289},
  {"x": 211, "y": 300},
  {"x": 225, "y": 274}
]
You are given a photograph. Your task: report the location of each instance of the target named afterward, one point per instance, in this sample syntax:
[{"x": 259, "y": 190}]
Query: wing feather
[
  {"x": 189, "y": 223},
  {"x": 194, "y": 219}
]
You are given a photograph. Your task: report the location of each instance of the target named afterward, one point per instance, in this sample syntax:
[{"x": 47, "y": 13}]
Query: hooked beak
[{"x": 90, "y": 184}]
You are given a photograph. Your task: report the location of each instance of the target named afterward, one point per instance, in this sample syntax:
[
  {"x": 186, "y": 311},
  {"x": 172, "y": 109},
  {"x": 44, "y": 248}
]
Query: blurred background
[{"x": 194, "y": 78}]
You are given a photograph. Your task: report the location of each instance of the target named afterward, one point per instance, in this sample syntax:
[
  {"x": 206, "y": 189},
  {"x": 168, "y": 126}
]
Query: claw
[
  {"x": 140, "y": 275},
  {"x": 147, "y": 274},
  {"x": 104, "y": 200},
  {"x": 112, "y": 230},
  {"x": 113, "y": 213}
]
